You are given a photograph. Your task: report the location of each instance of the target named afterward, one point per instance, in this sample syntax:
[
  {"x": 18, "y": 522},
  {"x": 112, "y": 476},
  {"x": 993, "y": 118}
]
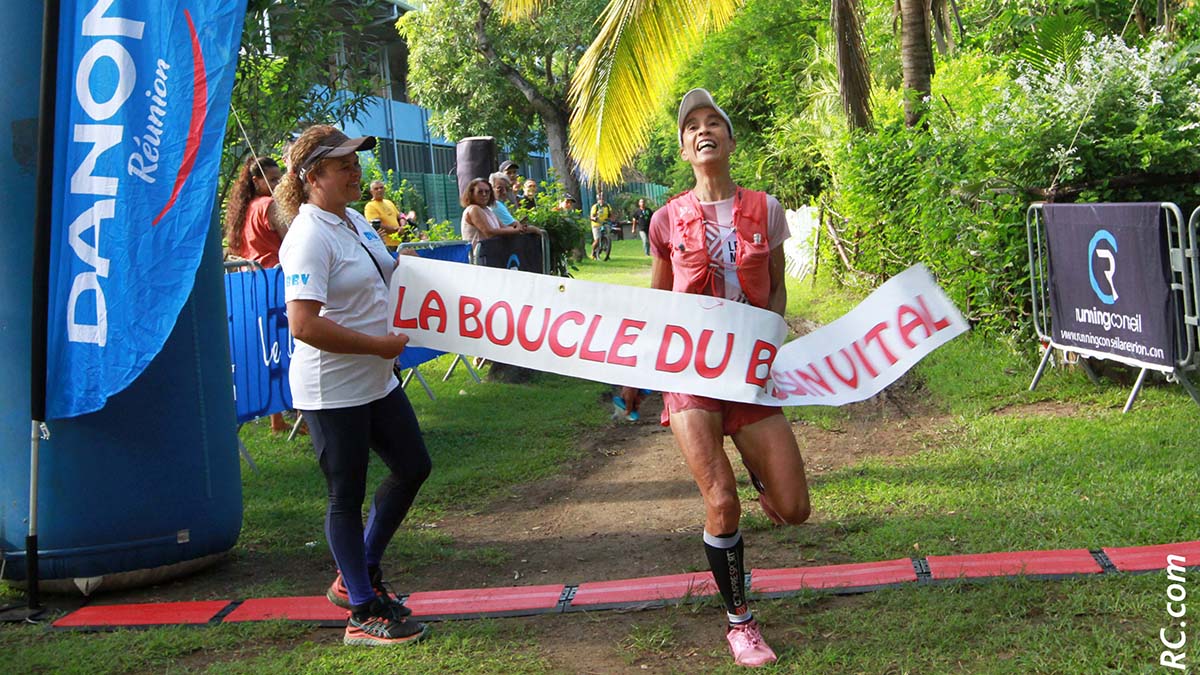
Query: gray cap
[
  {"x": 508, "y": 163},
  {"x": 336, "y": 144},
  {"x": 698, "y": 98}
]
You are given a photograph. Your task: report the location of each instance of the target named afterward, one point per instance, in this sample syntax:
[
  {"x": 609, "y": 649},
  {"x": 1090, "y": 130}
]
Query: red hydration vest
[{"x": 690, "y": 262}]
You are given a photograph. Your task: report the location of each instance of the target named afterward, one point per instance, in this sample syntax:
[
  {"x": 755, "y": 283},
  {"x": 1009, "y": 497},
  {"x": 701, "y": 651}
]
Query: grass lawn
[{"x": 1001, "y": 474}]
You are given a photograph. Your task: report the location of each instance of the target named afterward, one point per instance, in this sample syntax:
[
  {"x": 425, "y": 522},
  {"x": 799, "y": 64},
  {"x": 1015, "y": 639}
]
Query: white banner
[{"x": 667, "y": 341}]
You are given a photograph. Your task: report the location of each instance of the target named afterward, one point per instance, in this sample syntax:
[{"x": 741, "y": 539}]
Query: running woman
[{"x": 722, "y": 240}]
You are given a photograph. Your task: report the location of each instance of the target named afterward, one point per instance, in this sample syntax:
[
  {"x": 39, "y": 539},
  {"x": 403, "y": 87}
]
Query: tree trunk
[
  {"x": 560, "y": 156},
  {"x": 916, "y": 57},
  {"x": 553, "y": 112}
]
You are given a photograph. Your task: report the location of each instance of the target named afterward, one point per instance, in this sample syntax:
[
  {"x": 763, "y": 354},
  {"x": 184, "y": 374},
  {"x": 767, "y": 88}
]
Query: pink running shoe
[{"x": 747, "y": 644}]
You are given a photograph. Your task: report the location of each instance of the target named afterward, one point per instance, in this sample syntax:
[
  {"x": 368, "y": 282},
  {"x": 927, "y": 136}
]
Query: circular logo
[{"x": 1094, "y": 251}]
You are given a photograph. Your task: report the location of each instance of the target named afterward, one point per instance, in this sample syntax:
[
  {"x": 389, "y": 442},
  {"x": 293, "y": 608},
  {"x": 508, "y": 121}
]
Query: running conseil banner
[{"x": 143, "y": 96}]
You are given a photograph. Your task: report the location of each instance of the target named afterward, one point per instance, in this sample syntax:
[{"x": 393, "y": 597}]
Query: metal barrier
[
  {"x": 545, "y": 245},
  {"x": 1183, "y": 254}
]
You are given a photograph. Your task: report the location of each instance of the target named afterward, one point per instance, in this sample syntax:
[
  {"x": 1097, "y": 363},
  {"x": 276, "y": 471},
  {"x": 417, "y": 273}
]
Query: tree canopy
[{"x": 483, "y": 77}]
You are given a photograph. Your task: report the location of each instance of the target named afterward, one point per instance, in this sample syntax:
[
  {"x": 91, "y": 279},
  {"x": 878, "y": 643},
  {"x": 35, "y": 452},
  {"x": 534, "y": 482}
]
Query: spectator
[
  {"x": 382, "y": 210},
  {"x": 641, "y": 224},
  {"x": 529, "y": 199},
  {"x": 600, "y": 214},
  {"x": 253, "y": 227},
  {"x": 510, "y": 168},
  {"x": 502, "y": 188},
  {"x": 479, "y": 222}
]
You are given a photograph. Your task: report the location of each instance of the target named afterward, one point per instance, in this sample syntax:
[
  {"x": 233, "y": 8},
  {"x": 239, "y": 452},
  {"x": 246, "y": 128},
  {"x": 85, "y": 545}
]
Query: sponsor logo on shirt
[{"x": 290, "y": 280}]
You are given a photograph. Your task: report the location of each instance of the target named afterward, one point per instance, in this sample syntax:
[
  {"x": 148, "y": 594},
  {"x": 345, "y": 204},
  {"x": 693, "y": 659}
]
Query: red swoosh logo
[{"x": 199, "y": 111}]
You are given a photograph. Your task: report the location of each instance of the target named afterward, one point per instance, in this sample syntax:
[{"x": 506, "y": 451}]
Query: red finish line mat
[
  {"x": 857, "y": 577},
  {"x": 1027, "y": 563},
  {"x": 1147, "y": 558},
  {"x": 480, "y": 602},
  {"x": 144, "y": 614},
  {"x": 314, "y": 609},
  {"x": 647, "y": 591}
]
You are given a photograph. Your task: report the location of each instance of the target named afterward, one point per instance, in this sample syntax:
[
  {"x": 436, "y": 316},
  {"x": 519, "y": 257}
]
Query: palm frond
[
  {"x": 627, "y": 72},
  {"x": 519, "y": 10},
  {"x": 854, "y": 75}
]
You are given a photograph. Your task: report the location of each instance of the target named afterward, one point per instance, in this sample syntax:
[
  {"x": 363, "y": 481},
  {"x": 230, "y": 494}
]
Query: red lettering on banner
[
  {"x": 762, "y": 355},
  {"x": 813, "y": 378},
  {"x": 557, "y": 347},
  {"x": 875, "y": 334},
  {"x": 863, "y": 358},
  {"x": 468, "y": 308},
  {"x": 788, "y": 384},
  {"x": 622, "y": 339},
  {"x": 396, "y": 320},
  {"x": 523, "y": 321},
  {"x": 939, "y": 324},
  {"x": 850, "y": 380},
  {"x": 490, "y": 323},
  {"x": 702, "y": 367},
  {"x": 432, "y": 308},
  {"x": 914, "y": 321},
  {"x": 585, "y": 350},
  {"x": 669, "y": 334}
]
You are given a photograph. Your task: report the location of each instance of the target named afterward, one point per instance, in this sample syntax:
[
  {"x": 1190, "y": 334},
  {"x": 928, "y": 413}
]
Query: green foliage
[
  {"x": 761, "y": 89},
  {"x": 467, "y": 93},
  {"x": 565, "y": 229},
  {"x": 303, "y": 65},
  {"x": 953, "y": 195}
]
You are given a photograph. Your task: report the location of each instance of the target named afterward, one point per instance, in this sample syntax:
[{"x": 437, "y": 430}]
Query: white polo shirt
[{"x": 324, "y": 259}]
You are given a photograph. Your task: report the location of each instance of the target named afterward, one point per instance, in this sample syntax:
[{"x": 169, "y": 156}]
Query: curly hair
[
  {"x": 465, "y": 198},
  {"x": 240, "y": 195},
  {"x": 292, "y": 190}
]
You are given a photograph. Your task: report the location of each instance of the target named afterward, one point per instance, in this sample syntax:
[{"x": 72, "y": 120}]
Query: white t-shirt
[{"x": 324, "y": 259}]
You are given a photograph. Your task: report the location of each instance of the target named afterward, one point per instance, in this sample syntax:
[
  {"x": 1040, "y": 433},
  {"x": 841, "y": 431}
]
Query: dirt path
[{"x": 629, "y": 508}]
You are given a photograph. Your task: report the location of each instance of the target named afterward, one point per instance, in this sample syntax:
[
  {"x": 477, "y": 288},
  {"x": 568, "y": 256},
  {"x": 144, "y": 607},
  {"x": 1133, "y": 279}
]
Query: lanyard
[{"x": 368, "y": 252}]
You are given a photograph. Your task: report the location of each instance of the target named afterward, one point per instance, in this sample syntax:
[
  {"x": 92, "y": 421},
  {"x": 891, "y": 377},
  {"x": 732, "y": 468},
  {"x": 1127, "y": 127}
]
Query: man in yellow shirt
[
  {"x": 600, "y": 214},
  {"x": 382, "y": 211}
]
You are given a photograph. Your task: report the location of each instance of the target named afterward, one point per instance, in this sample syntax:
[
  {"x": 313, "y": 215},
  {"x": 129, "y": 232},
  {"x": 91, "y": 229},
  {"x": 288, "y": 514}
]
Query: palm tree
[
  {"x": 916, "y": 57},
  {"x": 628, "y": 71}
]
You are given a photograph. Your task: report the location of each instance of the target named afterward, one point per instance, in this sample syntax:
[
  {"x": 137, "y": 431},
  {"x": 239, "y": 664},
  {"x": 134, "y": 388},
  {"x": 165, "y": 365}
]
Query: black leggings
[{"x": 341, "y": 438}]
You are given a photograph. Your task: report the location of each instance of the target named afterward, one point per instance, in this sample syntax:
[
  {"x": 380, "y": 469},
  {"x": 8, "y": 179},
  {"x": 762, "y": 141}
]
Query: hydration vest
[{"x": 691, "y": 265}]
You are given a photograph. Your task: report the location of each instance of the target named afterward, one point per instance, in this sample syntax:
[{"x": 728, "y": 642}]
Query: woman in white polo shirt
[{"x": 336, "y": 272}]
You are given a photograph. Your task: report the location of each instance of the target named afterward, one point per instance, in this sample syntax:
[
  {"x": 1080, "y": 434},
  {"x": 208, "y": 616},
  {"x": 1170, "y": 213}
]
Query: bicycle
[{"x": 605, "y": 246}]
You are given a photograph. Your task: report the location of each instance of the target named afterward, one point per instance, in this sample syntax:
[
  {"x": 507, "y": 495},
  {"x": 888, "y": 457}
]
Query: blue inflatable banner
[{"x": 144, "y": 90}]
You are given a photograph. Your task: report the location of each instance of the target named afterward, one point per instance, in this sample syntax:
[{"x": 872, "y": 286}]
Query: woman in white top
[
  {"x": 336, "y": 272},
  {"x": 478, "y": 220}
]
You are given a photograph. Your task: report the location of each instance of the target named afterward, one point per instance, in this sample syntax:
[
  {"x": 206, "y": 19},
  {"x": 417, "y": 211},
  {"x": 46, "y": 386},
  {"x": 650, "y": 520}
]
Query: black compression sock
[{"x": 724, "y": 553}]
